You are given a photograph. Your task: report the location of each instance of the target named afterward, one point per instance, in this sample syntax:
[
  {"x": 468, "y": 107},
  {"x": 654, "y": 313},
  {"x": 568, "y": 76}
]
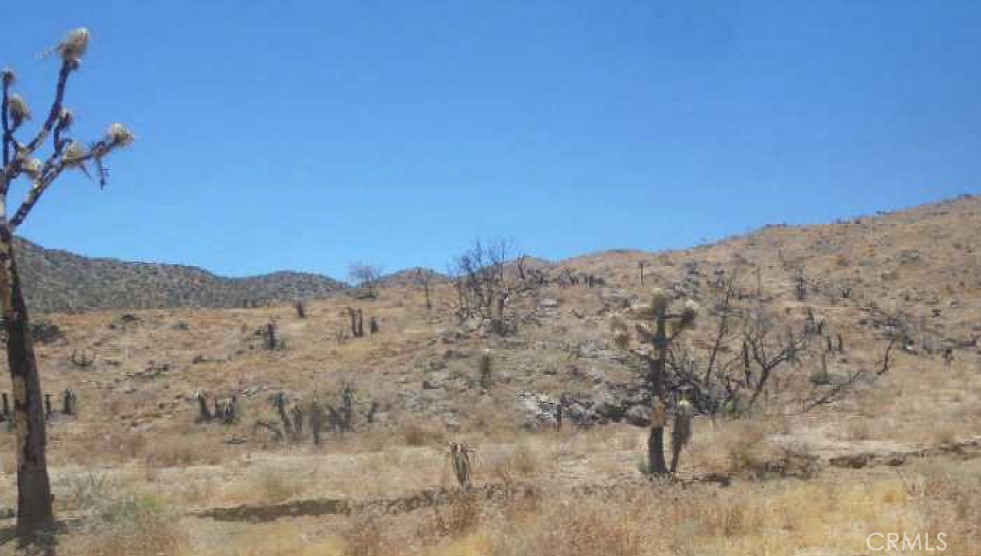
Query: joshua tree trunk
[
  {"x": 655, "y": 443},
  {"x": 34, "y": 514}
]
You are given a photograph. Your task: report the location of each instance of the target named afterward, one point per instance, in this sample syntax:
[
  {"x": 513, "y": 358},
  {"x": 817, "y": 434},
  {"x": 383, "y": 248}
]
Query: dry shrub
[
  {"x": 948, "y": 496},
  {"x": 366, "y": 535},
  {"x": 133, "y": 524},
  {"x": 276, "y": 485},
  {"x": 461, "y": 515},
  {"x": 113, "y": 446},
  {"x": 858, "y": 428},
  {"x": 573, "y": 527},
  {"x": 416, "y": 433},
  {"x": 746, "y": 447},
  {"x": 171, "y": 451}
]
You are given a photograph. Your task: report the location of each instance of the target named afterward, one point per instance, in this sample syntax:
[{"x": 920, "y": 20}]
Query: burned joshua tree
[
  {"x": 23, "y": 158},
  {"x": 667, "y": 327},
  {"x": 300, "y": 307}
]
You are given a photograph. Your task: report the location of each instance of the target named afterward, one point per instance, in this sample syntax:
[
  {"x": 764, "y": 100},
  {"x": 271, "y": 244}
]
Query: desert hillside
[
  {"x": 873, "y": 419},
  {"x": 57, "y": 280}
]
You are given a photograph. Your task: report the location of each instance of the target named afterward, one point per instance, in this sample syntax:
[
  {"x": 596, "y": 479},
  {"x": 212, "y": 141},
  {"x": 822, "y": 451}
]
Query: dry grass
[{"x": 136, "y": 433}]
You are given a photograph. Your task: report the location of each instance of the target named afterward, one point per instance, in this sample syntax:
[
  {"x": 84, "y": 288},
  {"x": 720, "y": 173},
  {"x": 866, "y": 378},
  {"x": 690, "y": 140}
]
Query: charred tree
[{"x": 35, "y": 518}]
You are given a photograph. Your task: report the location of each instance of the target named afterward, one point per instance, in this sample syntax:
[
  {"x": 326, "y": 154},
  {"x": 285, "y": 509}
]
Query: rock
[
  {"x": 449, "y": 335},
  {"x": 452, "y": 421},
  {"x": 538, "y": 409},
  {"x": 596, "y": 375},
  {"x": 45, "y": 332},
  {"x": 548, "y": 303},
  {"x": 854, "y": 461},
  {"x": 608, "y": 406},
  {"x": 436, "y": 364},
  {"x": 638, "y": 416},
  {"x": 578, "y": 414},
  {"x": 435, "y": 381}
]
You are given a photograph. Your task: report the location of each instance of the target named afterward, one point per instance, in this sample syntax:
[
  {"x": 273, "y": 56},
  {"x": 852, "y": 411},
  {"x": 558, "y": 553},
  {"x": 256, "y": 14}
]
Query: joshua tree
[
  {"x": 316, "y": 420},
  {"x": 301, "y": 308},
  {"x": 20, "y": 159},
  {"x": 486, "y": 367},
  {"x": 641, "y": 266},
  {"x": 668, "y": 326},
  {"x": 423, "y": 278},
  {"x": 204, "y": 412},
  {"x": 800, "y": 285},
  {"x": 357, "y": 322},
  {"x": 461, "y": 460},
  {"x": 69, "y": 402},
  {"x": 269, "y": 333},
  {"x": 279, "y": 401}
]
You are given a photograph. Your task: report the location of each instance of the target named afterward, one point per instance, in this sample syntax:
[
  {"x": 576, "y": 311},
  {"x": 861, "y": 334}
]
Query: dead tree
[
  {"x": 20, "y": 159},
  {"x": 486, "y": 366},
  {"x": 641, "y": 266},
  {"x": 69, "y": 402},
  {"x": 370, "y": 416},
  {"x": 365, "y": 277},
  {"x": 481, "y": 283},
  {"x": 296, "y": 413},
  {"x": 204, "y": 412},
  {"x": 373, "y": 325},
  {"x": 460, "y": 459},
  {"x": 279, "y": 401},
  {"x": 47, "y": 406},
  {"x": 768, "y": 351},
  {"x": 347, "y": 408},
  {"x": 800, "y": 285},
  {"x": 5, "y": 408},
  {"x": 272, "y": 342},
  {"x": 300, "y": 307},
  {"x": 357, "y": 322},
  {"x": 316, "y": 420},
  {"x": 229, "y": 410},
  {"x": 838, "y": 389},
  {"x": 423, "y": 278}
]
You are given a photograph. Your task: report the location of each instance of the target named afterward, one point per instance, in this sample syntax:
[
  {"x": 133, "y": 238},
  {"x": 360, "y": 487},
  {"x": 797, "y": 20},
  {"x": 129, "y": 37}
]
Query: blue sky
[{"x": 308, "y": 134}]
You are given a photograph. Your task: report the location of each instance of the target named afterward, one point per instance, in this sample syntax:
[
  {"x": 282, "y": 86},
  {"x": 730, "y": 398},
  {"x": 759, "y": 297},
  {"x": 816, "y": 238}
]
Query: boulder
[{"x": 638, "y": 416}]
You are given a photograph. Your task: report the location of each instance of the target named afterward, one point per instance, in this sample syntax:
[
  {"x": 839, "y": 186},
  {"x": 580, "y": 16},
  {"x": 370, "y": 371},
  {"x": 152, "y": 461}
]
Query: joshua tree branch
[
  {"x": 67, "y": 67},
  {"x": 52, "y": 169},
  {"x": 6, "y": 126}
]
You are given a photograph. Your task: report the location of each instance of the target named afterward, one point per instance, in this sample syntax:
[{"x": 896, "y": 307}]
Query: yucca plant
[
  {"x": 22, "y": 159},
  {"x": 667, "y": 327}
]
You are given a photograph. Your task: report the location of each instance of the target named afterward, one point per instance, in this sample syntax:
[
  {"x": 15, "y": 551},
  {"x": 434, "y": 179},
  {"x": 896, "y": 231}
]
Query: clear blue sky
[{"x": 307, "y": 134}]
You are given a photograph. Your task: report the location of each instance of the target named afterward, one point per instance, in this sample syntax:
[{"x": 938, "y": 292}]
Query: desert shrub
[
  {"x": 574, "y": 528},
  {"x": 133, "y": 524},
  {"x": 365, "y": 536},
  {"x": 415, "y": 433},
  {"x": 276, "y": 485}
]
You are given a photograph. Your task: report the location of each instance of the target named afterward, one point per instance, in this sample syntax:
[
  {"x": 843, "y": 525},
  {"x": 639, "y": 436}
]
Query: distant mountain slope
[{"x": 57, "y": 280}]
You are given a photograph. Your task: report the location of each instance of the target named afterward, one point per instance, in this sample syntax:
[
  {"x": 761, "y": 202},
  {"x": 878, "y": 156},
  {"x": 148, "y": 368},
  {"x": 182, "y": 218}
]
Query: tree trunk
[
  {"x": 34, "y": 515},
  {"x": 675, "y": 454},
  {"x": 655, "y": 443}
]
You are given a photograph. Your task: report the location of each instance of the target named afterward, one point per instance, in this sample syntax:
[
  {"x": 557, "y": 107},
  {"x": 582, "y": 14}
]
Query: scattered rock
[
  {"x": 638, "y": 416},
  {"x": 45, "y": 332}
]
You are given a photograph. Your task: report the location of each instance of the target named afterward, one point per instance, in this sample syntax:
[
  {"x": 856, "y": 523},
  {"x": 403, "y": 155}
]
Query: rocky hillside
[{"x": 61, "y": 281}]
